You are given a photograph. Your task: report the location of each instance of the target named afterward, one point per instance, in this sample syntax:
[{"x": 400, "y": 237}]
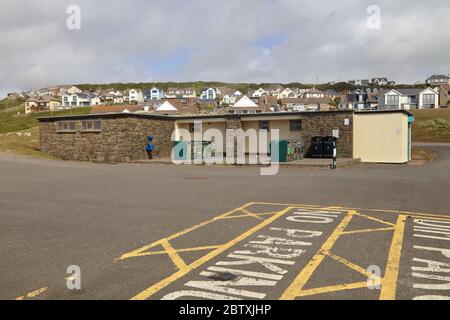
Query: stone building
[{"x": 122, "y": 137}]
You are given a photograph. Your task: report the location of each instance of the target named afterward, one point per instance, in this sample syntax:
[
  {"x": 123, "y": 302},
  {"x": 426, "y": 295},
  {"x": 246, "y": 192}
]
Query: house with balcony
[
  {"x": 153, "y": 94},
  {"x": 209, "y": 94},
  {"x": 79, "y": 100},
  {"x": 406, "y": 99},
  {"x": 180, "y": 93}
]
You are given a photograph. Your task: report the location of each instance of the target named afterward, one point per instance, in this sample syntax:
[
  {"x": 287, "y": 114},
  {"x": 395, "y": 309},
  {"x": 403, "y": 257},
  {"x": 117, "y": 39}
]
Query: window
[
  {"x": 428, "y": 99},
  {"x": 295, "y": 125},
  {"x": 66, "y": 126},
  {"x": 91, "y": 125},
  {"x": 264, "y": 125},
  {"x": 392, "y": 100}
]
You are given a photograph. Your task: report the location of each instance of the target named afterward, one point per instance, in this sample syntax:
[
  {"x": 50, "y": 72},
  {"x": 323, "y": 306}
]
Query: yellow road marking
[
  {"x": 251, "y": 214},
  {"x": 154, "y": 253},
  {"x": 32, "y": 294},
  {"x": 338, "y": 287},
  {"x": 179, "y": 263},
  {"x": 303, "y": 277},
  {"x": 147, "y": 293},
  {"x": 246, "y": 215},
  {"x": 375, "y": 219},
  {"x": 368, "y": 230},
  {"x": 352, "y": 265},
  {"x": 389, "y": 282},
  {"x": 138, "y": 252}
]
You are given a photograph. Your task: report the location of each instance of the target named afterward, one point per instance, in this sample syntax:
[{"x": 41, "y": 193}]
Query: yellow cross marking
[{"x": 179, "y": 263}]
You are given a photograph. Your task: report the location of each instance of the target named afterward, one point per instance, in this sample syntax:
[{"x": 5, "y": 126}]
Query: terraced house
[
  {"x": 406, "y": 99},
  {"x": 79, "y": 100}
]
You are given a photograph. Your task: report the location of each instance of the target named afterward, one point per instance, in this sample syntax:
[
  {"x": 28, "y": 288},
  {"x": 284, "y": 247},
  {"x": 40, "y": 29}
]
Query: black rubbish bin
[
  {"x": 328, "y": 146},
  {"x": 316, "y": 150}
]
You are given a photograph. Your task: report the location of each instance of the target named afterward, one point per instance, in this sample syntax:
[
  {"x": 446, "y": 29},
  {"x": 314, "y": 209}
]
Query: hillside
[
  {"x": 243, "y": 87},
  {"x": 17, "y": 120},
  {"x": 431, "y": 125},
  {"x": 19, "y": 132}
]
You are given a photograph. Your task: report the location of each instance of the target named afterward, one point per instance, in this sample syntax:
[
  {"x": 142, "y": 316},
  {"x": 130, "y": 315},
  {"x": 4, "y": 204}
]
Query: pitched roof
[
  {"x": 42, "y": 99},
  {"x": 166, "y": 106},
  {"x": 438, "y": 76},
  {"x": 245, "y": 102}
]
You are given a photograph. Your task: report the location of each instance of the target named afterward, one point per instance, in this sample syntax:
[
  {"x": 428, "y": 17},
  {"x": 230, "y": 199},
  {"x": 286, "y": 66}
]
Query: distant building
[
  {"x": 245, "y": 105},
  {"x": 79, "y": 100},
  {"x": 153, "y": 94},
  {"x": 359, "y": 100},
  {"x": 258, "y": 93},
  {"x": 209, "y": 93},
  {"x": 41, "y": 103},
  {"x": 406, "y": 99},
  {"x": 360, "y": 82},
  {"x": 437, "y": 80},
  {"x": 135, "y": 95},
  {"x": 382, "y": 82},
  {"x": 177, "y": 93},
  {"x": 231, "y": 98},
  {"x": 313, "y": 93}
]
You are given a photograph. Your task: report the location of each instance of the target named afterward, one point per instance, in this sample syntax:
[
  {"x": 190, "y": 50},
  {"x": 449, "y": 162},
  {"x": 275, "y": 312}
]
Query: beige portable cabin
[{"x": 382, "y": 136}]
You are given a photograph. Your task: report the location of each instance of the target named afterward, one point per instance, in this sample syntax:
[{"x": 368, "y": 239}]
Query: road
[{"x": 181, "y": 232}]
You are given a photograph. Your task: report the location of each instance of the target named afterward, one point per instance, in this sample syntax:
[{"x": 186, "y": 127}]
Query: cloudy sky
[{"x": 223, "y": 40}]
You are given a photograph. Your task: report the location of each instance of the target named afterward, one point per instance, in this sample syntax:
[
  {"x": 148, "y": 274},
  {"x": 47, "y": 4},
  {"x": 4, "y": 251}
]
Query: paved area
[
  {"x": 304, "y": 163},
  {"x": 169, "y": 232}
]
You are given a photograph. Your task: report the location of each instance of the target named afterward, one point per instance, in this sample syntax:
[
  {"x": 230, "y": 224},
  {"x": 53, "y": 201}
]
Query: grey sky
[{"x": 233, "y": 40}]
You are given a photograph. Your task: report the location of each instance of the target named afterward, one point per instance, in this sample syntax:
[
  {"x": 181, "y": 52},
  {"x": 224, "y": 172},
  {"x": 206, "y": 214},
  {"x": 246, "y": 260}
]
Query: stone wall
[
  {"x": 323, "y": 124},
  {"x": 124, "y": 137},
  {"x": 121, "y": 139},
  {"x": 316, "y": 124}
]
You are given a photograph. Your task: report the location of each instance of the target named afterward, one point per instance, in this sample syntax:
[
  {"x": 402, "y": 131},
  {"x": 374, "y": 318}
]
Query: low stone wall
[{"x": 121, "y": 139}]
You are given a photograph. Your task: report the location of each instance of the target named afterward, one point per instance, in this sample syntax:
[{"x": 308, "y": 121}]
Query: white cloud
[{"x": 121, "y": 40}]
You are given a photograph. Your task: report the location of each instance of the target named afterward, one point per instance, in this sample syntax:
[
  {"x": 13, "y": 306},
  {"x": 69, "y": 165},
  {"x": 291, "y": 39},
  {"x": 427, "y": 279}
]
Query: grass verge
[
  {"x": 431, "y": 125},
  {"x": 23, "y": 143}
]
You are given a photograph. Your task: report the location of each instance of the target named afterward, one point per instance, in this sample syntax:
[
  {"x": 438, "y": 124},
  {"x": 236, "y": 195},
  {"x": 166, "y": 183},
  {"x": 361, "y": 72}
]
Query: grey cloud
[{"x": 120, "y": 40}]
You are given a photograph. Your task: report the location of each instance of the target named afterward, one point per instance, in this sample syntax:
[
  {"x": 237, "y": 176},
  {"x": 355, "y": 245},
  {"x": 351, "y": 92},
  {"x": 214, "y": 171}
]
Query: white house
[
  {"x": 313, "y": 93},
  {"x": 153, "y": 94},
  {"x": 79, "y": 100},
  {"x": 287, "y": 93},
  {"x": 135, "y": 95},
  {"x": 231, "y": 99},
  {"x": 259, "y": 93},
  {"x": 405, "y": 99},
  {"x": 209, "y": 94},
  {"x": 178, "y": 93}
]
